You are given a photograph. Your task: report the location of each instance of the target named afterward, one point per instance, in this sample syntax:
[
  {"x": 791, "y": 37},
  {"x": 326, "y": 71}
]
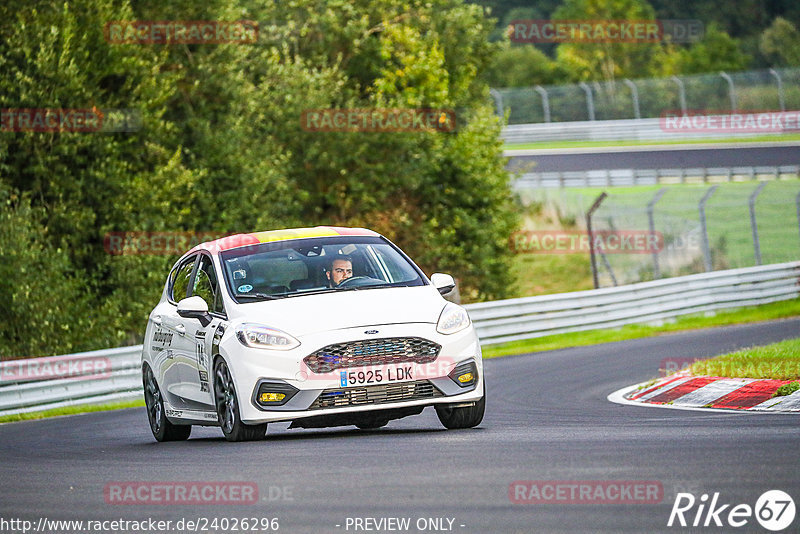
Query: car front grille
[
  {"x": 380, "y": 394},
  {"x": 372, "y": 352}
]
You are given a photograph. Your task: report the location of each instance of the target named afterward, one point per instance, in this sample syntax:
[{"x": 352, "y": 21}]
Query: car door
[
  {"x": 177, "y": 362},
  {"x": 205, "y": 285}
]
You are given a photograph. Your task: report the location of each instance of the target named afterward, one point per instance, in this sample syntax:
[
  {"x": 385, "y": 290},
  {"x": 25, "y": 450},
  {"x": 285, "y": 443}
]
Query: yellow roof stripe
[{"x": 294, "y": 233}]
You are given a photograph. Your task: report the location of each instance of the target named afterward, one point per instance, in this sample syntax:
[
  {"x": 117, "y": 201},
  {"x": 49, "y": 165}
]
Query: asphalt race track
[
  {"x": 547, "y": 419},
  {"x": 657, "y": 158}
]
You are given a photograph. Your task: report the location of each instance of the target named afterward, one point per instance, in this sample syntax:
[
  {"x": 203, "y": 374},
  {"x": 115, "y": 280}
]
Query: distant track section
[{"x": 663, "y": 157}]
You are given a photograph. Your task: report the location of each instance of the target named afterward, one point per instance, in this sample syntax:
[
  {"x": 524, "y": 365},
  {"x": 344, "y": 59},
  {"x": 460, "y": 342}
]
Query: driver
[{"x": 341, "y": 269}]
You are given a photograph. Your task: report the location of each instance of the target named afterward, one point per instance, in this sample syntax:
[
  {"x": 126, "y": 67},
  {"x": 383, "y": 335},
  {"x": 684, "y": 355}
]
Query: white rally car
[{"x": 320, "y": 326}]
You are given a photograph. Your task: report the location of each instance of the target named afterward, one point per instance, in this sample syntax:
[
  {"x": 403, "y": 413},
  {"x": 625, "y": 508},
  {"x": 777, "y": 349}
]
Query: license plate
[{"x": 383, "y": 375}]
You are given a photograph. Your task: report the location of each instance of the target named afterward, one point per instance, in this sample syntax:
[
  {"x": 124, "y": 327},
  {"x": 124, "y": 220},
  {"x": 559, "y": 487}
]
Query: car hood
[{"x": 300, "y": 316}]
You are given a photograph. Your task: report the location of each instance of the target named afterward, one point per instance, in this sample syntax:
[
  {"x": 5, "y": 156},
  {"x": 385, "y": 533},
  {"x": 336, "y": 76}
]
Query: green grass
[
  {"x": 776, "y": 310},
  {"x": 787, "y": 389},
  {"x": 779, "y": 361},
  {"x": 538, "y": 274},
  {"x": 729, "y": 230},
  {"x": 72, "y": 410},
  {"x": 589, "y": 144}
]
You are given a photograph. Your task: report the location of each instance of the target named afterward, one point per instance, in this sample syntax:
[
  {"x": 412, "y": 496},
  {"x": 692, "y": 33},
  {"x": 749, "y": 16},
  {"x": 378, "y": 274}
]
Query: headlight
[
  {"x": 264, "y": 337},
  {"x": 453, "y": 319}
]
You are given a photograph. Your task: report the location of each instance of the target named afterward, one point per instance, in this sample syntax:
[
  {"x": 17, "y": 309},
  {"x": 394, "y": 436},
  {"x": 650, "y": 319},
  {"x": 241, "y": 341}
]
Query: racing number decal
[{"x": 202, "y": 363}]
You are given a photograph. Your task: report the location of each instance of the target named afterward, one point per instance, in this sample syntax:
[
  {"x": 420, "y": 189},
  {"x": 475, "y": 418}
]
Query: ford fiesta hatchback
[{"x": 320, "y": 326}]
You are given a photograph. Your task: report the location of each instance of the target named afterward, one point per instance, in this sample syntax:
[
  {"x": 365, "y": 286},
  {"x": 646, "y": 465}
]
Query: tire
[
  {"x": 466, "y": 417},
  {"x": 162, "y": 429},
  {"x": 228, "y": 408}
]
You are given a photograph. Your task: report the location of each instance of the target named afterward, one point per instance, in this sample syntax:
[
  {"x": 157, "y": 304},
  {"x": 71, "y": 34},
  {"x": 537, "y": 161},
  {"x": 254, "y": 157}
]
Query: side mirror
[
  {"x": 194, "y": 308},
  {"x": 443, "y": 282}
]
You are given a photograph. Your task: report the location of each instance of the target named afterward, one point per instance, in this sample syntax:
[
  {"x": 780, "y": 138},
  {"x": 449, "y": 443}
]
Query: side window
[
  {"x": 206, "y": 286},
  {"x": 181, "y": 282}
]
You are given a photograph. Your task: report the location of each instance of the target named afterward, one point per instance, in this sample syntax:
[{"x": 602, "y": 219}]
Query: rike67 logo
[{"x": 774, "y": 510}]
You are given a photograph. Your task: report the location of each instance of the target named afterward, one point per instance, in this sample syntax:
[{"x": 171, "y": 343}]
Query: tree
[
  {"x": 523, "y": 66},
  {"x": 221, "y": 148},
  {"x": 608, "y": 60},
  {"x": 717, "y": 51},
  {"x": 443, "y": 197},
  {"x": 47, "y": 310},
  {"x": 781, "y": 43},
  {"x": 81, "y": 185}
]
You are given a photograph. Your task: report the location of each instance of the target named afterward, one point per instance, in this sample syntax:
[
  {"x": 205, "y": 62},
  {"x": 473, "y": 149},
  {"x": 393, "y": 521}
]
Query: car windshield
[{"x": 304, "y": 266}]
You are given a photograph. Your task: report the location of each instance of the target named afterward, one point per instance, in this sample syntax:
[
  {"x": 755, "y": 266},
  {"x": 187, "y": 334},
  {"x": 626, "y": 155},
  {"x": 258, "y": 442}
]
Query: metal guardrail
[
  {"x": 114, "y": 374},
  {"x": 631, "y": 177},
  {"x": 645, "y": 302},
  {"x": 85, "y": 378},
  {"x": 616, "y": 130}
]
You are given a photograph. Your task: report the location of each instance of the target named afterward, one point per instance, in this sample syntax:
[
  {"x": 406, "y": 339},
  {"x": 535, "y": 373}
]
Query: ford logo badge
[{"x": 370, "y": 331}]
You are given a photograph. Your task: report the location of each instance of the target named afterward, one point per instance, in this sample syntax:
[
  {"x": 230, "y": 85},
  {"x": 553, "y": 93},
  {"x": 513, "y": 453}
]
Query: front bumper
[{"x": 310, "y": 394}]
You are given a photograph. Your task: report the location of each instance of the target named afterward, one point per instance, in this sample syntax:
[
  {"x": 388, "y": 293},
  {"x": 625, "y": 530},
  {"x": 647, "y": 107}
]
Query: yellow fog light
[
  {"x": 272, "y": 397},
  {"x": 465, "y": 374},
  {"x": 466, "y": 377}
]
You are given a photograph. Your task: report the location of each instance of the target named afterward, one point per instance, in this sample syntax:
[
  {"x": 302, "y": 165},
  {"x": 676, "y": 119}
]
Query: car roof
[{"x": 243, "y": 240}]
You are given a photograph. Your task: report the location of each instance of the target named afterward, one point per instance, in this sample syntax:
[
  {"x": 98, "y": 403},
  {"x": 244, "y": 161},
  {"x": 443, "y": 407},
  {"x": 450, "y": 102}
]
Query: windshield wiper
[
  {"x": 373, "y": 286},
  {"x": 258, "y": 296}
]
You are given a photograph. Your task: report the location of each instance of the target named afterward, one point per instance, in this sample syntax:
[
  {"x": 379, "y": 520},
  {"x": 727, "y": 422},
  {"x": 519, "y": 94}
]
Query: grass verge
[
  {"x": 778, "y": 361},
  {"x": 71, "y": 410},
  {"x": 631, "y": 142},
  {"x": 541, "y": 274},
  {"x": 775, "y": 310}
]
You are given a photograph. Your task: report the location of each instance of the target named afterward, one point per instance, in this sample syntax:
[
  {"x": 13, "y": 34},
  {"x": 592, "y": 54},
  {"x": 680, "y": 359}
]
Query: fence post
[
  {"x": 652, "y": 226},
  {"x": 780, "y": 88},
  {"x": 589, "y": 99},
  {"x": 635, "y": 95},
  {"x": 704, "y": 227},
  {"x": 753, "y": 224},
  {"x": 589, "y": 214},
  {"x": 498, "y": 101},
  {"x": 608, "y": 267},
  {"x": 797, "y": 202},
  {"x": 681, "y": 93},
  {"x": 545, "y": 102},
  {"x": 731, "y": 89}
]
